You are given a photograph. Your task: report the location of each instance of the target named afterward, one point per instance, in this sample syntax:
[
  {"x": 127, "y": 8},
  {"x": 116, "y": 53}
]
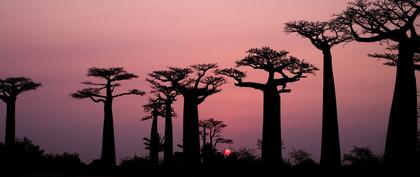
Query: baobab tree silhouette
[
  {"x": 10, "y": 88},
  {"x": 393, "y": 21},
  {"x": 290, "y": 70},
  {"x": 112, "y": 76},
  {"x": 194, "y": 89},
  {"x": 325, "y": 35},
  {"x": 155, "y": 108},
  {"x": 167, "y": 95}
]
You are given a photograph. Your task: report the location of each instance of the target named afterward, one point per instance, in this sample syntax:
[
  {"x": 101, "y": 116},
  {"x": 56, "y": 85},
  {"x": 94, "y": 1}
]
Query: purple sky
[{"x": 54, "y": 42}]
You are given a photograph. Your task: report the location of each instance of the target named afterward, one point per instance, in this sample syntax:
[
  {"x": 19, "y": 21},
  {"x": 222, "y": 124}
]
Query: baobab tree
[
  {"x": 167, "y": 95},
  {"x": 325, "y": 35},
  {"x": 195, "y": 84},
  {"x": 104, "y": 93},
  {"x": 392, "y": 21},
  {"x": 10, "y": 88},
  {"x": 155, "y": 108},
  {"x": 290, "y": 69}
]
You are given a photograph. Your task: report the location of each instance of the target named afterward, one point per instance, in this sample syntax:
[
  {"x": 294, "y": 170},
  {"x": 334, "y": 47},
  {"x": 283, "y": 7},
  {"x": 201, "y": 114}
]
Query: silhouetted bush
[
  {"x": 28, "y": 156},
  {"x": 65, "y": 162},
  {"x": 135, "y": 162},
  {"x": 300, "y": 158},
  {"x": 362, "y": 157}
]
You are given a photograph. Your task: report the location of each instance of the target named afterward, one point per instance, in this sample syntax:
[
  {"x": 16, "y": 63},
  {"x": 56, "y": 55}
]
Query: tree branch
[{"x": 130, "y": 92}]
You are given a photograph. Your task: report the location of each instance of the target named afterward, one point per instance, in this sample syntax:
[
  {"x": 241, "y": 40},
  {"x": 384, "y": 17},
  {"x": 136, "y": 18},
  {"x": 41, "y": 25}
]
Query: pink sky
[{"x": 54, "y": 42}]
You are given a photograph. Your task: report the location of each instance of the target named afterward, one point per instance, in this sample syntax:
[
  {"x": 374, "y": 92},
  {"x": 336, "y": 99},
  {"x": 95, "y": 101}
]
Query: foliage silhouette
[
  {"x": 211, "y": 135},
  {"x": 361, "y": 157},
  {"x": 30, "y": 158},
  {"x": 211, "y": 132},
  {"x": 300, "y": 158},
  {"x": 167, "y": 95},
  {"x": 273, "y": 62},
  {"x": 112, "y": 76},
  {"x": 392, "y": 21},
  {"x": 325, "y": 35},
  {"x": 194, "y": 89}
]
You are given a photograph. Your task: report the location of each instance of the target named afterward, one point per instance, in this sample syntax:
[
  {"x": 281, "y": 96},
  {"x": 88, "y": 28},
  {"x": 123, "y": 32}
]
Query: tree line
[{"x": 366, "y": 21}]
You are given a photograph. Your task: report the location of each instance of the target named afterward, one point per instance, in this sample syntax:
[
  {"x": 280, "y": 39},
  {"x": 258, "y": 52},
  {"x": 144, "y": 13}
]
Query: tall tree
[
  {"x": 167, "y": 94},
  {"x": 104, "y": 93},
  {"x": 392, "y": 21},
  {"x": 290, "y": 69},
  {"x": 10, "y": 88},
  {"x": 154, "y": 108},
  {"x": 325, "y": 35},
  {"x": 195, "y": 84}
]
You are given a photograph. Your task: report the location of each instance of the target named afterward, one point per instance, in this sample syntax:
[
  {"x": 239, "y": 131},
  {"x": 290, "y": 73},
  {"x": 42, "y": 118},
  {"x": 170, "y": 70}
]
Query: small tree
[
  {"x": 112, "y": 76},
  {"x": 290, "y": 70},
  {"x": 10, "y": 88},
  {"x": 194, "y": 89},
  {"x": 211, "y": 132}
]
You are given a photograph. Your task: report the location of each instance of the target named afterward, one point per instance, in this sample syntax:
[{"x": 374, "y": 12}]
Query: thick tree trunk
[
  {"x": 168, "y": 149},
  {"x": 10, "y": 137},
  {"x": 271, "y": 152},
  {"x": 10, "y": 122},
  {"x": 108, "y": 139},
  {"x": 330, "y": 146},
  {"x": 191, "y": 134},
  {"x": 400, "y": 145},
  {"x": 154, "y": 142}
]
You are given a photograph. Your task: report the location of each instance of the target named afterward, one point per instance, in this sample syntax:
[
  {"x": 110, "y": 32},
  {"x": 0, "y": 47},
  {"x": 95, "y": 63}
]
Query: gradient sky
[{"x": 55, "y": 41}]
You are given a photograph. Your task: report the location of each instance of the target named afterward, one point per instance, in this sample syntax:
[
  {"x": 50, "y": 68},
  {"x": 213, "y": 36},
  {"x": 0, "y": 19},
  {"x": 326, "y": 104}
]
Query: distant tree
[
  {"x": 392, "y": 21},
  {"x": 112, "y": 76},
  {"x": 325, "y": 35},
  {"x": 194, "y": 89},
  {"x": 155, "y": 108},
  {"x": 10, "y": 88},
  {"x": 167, "y": 94},
  {"x": 300, "y": 157},
  {"x": 361, "y": 157},
  {"x": 290, "y": 70},
  {"x": 211, "y": 132},
  {"x": 211, "y": 135}
]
